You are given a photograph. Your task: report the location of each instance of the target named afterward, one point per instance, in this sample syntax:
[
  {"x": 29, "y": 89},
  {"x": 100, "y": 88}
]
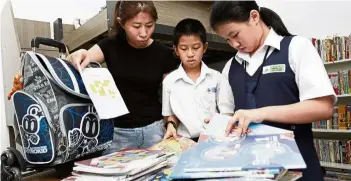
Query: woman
[
  {"x": 276, "y": 78},
  {"x": 138, "y": 65}
]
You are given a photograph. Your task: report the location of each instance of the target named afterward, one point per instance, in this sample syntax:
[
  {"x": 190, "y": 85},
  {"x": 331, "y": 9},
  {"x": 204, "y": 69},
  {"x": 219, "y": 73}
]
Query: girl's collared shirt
[{"x": 310, "y": 75}]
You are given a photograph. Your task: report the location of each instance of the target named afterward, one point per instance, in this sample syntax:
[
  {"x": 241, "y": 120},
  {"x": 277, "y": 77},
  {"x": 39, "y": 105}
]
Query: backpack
[{"x": 56, "y": 119}]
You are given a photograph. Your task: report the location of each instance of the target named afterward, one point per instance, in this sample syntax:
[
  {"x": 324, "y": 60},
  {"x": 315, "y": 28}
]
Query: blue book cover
[
  {"x": 218, "y": 124},
  {"x": 250, "y": 152}
]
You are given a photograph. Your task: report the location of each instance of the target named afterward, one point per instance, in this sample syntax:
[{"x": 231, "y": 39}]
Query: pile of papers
[{"x": 124, "y": 165}]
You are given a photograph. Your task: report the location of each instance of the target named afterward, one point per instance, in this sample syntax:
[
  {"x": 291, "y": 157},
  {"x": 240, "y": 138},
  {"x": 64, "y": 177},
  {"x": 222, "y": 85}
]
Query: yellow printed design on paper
[{"x": 102, "y": 88}]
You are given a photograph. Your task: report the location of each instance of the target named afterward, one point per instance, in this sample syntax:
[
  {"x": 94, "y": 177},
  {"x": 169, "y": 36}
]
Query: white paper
[
  {"x": 103, "y": 92},
  {"x": 218, "y": 125}
]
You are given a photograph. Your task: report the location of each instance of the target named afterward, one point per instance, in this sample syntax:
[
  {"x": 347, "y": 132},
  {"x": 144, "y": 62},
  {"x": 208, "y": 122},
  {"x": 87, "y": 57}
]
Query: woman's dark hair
[
  {"x": 189, "y": 26},
  {"x": 125, "y": 10},
  {"x": 239, "y": 11}
]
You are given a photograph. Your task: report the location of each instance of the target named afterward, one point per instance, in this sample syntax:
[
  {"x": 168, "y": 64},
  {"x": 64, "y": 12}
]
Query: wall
[
  {"x": 27, "y": 29},
  {"x": 3, "y": 129},
  {"x": 10, "y": 51},
  {"x": 170, "y": 13},
  {"x": 313, "y": 18}
]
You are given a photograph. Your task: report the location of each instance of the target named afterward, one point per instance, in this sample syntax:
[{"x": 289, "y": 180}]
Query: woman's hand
[
  {"x": 244, "y": 118},
  {"x": 79, "y": 58},
  {"x": 171, "y": 132}
]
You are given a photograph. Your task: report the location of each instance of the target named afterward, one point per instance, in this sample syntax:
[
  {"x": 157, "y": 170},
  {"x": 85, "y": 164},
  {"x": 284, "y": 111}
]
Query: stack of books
[
  {"x": 264, "y": 153},
  {"x": 125, "y": 165}
]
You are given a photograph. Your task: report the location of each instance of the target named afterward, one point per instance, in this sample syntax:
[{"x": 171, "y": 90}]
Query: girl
[
  {"x": 276, "y": 78},
  {"x": 138, "y": 65}
]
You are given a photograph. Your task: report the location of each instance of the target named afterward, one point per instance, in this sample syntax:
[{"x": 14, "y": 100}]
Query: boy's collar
[{"x": 181, "y": 73}]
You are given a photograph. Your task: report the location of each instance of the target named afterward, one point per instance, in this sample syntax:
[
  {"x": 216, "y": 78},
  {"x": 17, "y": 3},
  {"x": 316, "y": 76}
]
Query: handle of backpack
[{"x": 36, "y": 41}]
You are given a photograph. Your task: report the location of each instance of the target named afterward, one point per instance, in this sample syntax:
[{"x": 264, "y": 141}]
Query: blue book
[
  {"x": 218, "y": 124},
  {"x": 245, "y": 153}
]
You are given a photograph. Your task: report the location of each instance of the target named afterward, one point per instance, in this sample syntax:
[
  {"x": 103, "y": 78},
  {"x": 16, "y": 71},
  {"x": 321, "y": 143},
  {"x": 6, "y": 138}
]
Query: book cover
[
  {"x": 254, "y": 129},
  {"x": 276, "y": 151},
  {"x": 218, "y": 125},
  {"x": 228, "y": 175},
  {"x": 121, "y": 162},
  {"x": 163, "y": 175},
  {"x": 175, "y": 146}
]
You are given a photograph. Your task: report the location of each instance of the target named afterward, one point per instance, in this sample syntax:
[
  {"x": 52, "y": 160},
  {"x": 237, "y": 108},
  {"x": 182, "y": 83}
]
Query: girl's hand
[{"x": 244, "y": 118}]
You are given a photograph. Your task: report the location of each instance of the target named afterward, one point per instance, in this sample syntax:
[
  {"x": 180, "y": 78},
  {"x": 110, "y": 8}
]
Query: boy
[{"x": 193, "y": 92}]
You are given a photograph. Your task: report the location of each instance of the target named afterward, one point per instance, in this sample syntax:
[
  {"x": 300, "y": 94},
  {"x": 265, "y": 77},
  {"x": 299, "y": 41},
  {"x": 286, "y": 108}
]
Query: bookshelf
[
  {"x": 344, "y": 99},
  {"x": 331, "y": 133},
  {"x": 336, "y": 134},
  {"x": 336, "y": 165},
  {"x": 337, "y": 62},
  {"x": 339, "y": 65},
  {"x": 331, "y": 143}
]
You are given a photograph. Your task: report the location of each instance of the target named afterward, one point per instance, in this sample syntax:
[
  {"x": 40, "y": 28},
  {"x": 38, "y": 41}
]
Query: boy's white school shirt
[
  {"x": 193, "y": 102},
  {"x": 310, "y": 75}
]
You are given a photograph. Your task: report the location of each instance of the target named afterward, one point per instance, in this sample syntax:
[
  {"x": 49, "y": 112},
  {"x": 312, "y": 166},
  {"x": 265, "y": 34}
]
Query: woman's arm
[
  {"x": 83, "y": 57},
  {"x": 95, "y": 53}
]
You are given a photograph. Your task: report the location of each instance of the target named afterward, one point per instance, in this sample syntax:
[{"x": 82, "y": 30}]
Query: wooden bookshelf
[
  {"x": 336, "y": 165},
  {"x": 331, "y": 134}
]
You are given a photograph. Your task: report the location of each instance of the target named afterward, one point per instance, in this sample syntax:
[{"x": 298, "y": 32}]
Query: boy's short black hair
[{"x": 189, "y": 26}]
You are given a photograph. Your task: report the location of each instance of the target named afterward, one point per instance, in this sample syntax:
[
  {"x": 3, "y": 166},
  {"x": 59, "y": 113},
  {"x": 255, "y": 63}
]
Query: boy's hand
[{"x": 171, "y": 132}]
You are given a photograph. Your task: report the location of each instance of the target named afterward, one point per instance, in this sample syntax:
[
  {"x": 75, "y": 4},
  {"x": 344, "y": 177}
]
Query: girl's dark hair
[
  {"x": 189, "y": 26},
  {"x": 239, "y": 11},
  {"x": 125, "y": 10}
]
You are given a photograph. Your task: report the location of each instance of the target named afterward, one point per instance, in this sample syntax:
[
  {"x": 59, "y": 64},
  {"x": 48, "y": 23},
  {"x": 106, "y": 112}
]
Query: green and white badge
[{"x": 278, "y": 68}]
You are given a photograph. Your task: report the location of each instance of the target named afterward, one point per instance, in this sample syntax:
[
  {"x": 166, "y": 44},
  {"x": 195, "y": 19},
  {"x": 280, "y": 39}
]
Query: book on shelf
[
  {"x": 334, "y": 151},
  {"x": 341, "y": 119},
  {"x": 341, "y": 82},
  {"x": 333, "y": 48},
  {"x": 338, "y": 175}
]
